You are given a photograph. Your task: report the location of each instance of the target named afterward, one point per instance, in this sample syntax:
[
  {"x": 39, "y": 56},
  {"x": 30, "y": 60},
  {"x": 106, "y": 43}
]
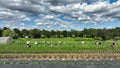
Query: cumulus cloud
[
  {"x": 26, "y": 19},
  {"x": 90, "y": 13},
  {"x": 56, "y": 12},
  {"x": 65, "y": 2},
  {"x": 5, "y": 14},
  {"x": 61, "y": 2},
  {"x": 22, "y": 24}
]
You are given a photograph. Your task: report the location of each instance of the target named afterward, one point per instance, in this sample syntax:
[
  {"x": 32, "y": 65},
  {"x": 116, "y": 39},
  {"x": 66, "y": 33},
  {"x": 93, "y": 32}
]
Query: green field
[{"x": 59, "y": 45}]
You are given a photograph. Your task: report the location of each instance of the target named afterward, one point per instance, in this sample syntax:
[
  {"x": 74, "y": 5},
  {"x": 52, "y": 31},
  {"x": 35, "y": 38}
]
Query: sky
[{"x": 59, "y": 14}]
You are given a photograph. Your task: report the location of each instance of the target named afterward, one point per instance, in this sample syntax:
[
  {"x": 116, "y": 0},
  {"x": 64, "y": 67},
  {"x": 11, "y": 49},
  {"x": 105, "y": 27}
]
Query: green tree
[
  {"x": 25, "y": 32},
  {"x": 7, "y": 33},
  {"x": 4, "y": 28},
  {"x": 16, "y": 33},
  {"x": 53, "y": 33},
  {"x": 1, "y": 32},
  {"x": 44, "y": 33},
  {"x": 64, "y": 33},
  {"x": 35, "y": 33}
]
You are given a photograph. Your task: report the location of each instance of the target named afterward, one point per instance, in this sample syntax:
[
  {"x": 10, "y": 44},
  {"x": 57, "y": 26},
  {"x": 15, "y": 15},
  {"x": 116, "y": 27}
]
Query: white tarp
[{"x": 6, "y": 39}]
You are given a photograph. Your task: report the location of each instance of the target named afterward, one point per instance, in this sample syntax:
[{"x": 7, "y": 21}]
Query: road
[{"x": 59, "y": 64}]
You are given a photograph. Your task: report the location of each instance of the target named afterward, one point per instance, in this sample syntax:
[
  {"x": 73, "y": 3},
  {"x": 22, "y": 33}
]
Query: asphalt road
[{"x": 59, "y": 64}]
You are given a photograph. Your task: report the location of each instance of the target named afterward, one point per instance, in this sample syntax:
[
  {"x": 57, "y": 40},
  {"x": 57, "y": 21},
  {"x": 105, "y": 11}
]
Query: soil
[{"x": 61, "y": 56}]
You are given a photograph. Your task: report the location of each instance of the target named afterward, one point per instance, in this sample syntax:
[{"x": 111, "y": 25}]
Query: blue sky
[
  {"x": 59, "y": 14},
  {"x": 112, "y": 1}
]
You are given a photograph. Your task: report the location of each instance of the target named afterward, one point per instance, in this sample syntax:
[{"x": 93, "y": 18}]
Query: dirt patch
[{"x": 62, "y": 56}]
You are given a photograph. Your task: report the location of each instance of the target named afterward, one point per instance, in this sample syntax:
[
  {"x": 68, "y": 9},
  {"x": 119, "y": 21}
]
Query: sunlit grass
[{"x": 58, "y": 45}]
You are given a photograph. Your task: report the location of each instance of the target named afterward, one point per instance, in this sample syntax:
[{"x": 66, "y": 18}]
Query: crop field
[{"x": 59, "y": 45}]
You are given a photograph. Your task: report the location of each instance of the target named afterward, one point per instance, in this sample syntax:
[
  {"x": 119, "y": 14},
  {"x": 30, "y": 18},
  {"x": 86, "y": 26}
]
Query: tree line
[{"x": 100, "y": 34}]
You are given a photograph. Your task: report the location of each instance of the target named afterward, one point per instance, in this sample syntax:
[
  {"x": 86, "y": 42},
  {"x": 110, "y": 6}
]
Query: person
[
  {"x": 28, "y": 43},
  {"x": 99, "y": 43},
  {"x": 113, "y": 44},
  {"x": 36, "y": 43},
  {"x": 96, "y": 42},
  {"x": 83, "y": 42}
]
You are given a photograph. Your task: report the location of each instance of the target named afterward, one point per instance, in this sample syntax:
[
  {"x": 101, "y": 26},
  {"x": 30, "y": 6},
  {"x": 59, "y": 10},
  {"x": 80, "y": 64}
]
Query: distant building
[{"x": 6, "y": 39}]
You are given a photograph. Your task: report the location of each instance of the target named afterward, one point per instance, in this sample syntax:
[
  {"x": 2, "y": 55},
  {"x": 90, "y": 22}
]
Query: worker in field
[
  {"x": 97, "y": 43},
  {"x": 83, "y": 42},
  {"x": 28, "y": 43},
  {"x": 113, "y": 44},
  {"x": 36, "y": 43}
]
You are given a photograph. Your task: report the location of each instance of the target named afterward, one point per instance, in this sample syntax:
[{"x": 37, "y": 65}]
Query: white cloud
[
  {"x": 26, "y": 19},
  {"x": 39, "y": 24},
  {"x": 6, "y": 14},
  {"x": 49, "y": 17},
  {"x": 22, "y": 24},
  {"x": 49, "y": 12},
  {"x": 109, "y": 27}
]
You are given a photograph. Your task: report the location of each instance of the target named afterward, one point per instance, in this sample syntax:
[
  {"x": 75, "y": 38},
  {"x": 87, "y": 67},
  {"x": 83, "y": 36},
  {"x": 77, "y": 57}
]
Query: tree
[
  {"x": 44, "y": 33},
  {"x": 64, "y": 33},
  {"x": 1, "y": 32},
  {"x": 92, "y": 33},
  {"x": 16, "y": 33},
  {"x": 74, "y": 33},
  {"x": 35, "y": 33},
  {"x": 53, "y": 33},
  {"x": 25, "y": 32},
  {"x": 58, "y": 33},
  {"x": 104, "y": 34},
  {"x": 5, "y": 28},
  {"x": 85, "y": 33},
  {"x": 7, "y": 33}
]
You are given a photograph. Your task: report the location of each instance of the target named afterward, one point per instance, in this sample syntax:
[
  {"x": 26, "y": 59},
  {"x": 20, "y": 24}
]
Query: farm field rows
[
  {"x": 61, "y": 56},
  {"x": 59, "y": 45}
]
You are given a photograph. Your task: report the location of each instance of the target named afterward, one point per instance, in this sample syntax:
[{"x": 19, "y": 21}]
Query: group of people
[
  {"x": 83, "y": 42},
  {"x": 112, "y": 44},
  {"x": 99, "y": 43},
  {"x": 28, "y": 43}
]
